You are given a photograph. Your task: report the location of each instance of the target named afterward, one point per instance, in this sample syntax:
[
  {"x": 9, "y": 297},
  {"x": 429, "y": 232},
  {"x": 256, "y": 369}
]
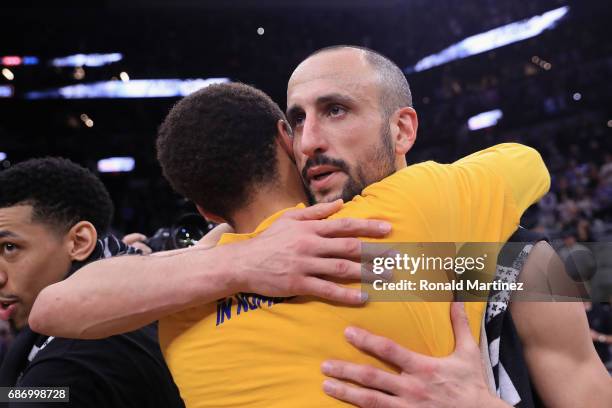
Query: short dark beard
[
  {"x": 319, "y": 160},
  {"x": 384, "y": 156}
]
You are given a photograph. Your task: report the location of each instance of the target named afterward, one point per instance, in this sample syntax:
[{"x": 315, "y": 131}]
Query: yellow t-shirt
[{"x": 253, "y": 351}]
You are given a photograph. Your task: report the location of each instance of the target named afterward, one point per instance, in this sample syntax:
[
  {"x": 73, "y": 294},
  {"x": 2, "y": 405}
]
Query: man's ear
[
  {"x": 285, "y": 137},
  {"x": 210, "y": 216},
  {"x": 82, "y": 239},
  {"x": 404, "y": 129}
]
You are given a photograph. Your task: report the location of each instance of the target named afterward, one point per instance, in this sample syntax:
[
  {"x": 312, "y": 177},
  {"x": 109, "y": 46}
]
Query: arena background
[{"x": 553, "y": 89}]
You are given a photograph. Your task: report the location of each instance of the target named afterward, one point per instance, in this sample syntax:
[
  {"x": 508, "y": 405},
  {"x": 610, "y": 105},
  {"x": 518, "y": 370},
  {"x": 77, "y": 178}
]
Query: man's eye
[
  {"x": 336, "y": 111},
  {"x": 298, "y": 121},
  {"x": 9, "y": 248}
]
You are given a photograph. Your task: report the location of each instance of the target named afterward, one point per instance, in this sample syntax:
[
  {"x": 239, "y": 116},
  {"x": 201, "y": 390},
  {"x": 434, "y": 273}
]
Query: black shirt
[
  {"x": 123, "y": 371},
  {"x": 126, "y": 370}
]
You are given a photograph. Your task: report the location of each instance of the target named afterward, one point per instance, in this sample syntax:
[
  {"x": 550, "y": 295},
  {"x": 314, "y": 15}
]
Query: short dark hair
[
  {"x": 395, "y": 92},
  {"x": 61, "y": 193},
  {"x": 218, "y": 144}
]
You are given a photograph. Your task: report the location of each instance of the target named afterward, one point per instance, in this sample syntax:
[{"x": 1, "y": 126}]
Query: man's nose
[{"x": 313, "y": 140}]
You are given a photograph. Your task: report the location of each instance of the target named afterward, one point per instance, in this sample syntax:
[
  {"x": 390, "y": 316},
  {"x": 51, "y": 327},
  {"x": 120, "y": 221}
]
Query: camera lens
[
  {"x": 187, "y": 236},
  {"x": 188, "y": 230}
]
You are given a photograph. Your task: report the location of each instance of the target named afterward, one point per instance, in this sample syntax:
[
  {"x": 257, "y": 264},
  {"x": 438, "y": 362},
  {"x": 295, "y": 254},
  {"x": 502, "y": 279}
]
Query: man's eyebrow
[
  {"x": 320, "y": 101},
  {"x": 8, "y": 234},
  {"x": 334, "y": 97}
]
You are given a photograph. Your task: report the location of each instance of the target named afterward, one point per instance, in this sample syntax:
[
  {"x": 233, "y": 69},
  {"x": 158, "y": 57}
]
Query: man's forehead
[
  {"x": 15, "y": 218},
  {"x": 342, "y": 60},
  {"x": 312, "y": 80},
  {"x": 21, "y": 212}
]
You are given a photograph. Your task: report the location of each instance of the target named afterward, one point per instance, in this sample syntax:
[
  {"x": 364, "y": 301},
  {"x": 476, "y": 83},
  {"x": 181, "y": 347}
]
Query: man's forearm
[
  {"x": 563, "y": 365},
  {"x": 298, "y": 255},
  {"x": 121, "y": 294}
]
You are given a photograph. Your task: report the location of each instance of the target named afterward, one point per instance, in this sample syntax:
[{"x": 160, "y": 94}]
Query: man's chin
[
  {"x": 16, "y": 326},
  {"x": 18, "y": 323},
  {"x": 327, "y": 197}
]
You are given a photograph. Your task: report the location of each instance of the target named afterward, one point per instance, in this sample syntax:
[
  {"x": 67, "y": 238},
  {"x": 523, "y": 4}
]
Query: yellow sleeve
[
  {"x": 478, "y": 198},
  {"x": 520, "y": 167}
]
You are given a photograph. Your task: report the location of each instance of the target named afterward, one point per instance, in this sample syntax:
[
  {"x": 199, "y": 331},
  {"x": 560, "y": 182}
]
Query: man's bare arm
[
  {"x": 295, "y": 256},
  {"x": 560, "y": 356},
  {"x": 561, "y": 359},
  {"x": 454, "y": 381}
]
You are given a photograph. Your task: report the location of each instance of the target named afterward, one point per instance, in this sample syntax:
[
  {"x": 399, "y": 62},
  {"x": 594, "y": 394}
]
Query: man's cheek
[{"x": 297, "y": 152}]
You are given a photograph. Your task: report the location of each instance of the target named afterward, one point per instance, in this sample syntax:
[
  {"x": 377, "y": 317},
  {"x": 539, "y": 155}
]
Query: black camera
[{"x": 186, "y": 231}]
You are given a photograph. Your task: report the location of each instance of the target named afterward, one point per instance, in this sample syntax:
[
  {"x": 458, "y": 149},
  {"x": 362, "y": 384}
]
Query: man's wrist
[
  {"x": 229, "y": 267},
  {"x": 491, "y": 401},
  {"x": 216, "y": 274}
]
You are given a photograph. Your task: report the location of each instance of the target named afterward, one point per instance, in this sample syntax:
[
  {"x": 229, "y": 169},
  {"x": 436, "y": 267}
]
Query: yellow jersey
[{"x": 252, "y": 351}]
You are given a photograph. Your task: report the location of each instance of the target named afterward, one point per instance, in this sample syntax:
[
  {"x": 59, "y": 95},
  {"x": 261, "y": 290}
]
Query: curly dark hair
[
  {"x": 218, "y": 144},
  {"x": 61, "y": 193}
]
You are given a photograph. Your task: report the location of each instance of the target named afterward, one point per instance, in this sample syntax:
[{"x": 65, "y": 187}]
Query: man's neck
[
  {"x": 285, "y": 192},
  {"x": 248, "y": 218}
]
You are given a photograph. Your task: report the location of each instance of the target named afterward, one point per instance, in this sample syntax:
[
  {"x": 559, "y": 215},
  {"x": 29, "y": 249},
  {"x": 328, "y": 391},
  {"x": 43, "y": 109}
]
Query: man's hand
[
  {"x": 213, "y": 236},
  {"x": 136, "y": 240},
  {"x": 423, "y": 381},
  {"x": 300, "y": 253}
]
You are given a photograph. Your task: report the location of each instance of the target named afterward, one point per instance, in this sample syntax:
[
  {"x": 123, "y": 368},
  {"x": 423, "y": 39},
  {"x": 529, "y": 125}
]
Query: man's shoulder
[
  {"x": 415, "y": 176},
  {"x": 122, "y": 369},
  {"x": 115, "y": 349},
  {"x": 416, "y": 170},
  {"x": 410, "y": 183}
]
